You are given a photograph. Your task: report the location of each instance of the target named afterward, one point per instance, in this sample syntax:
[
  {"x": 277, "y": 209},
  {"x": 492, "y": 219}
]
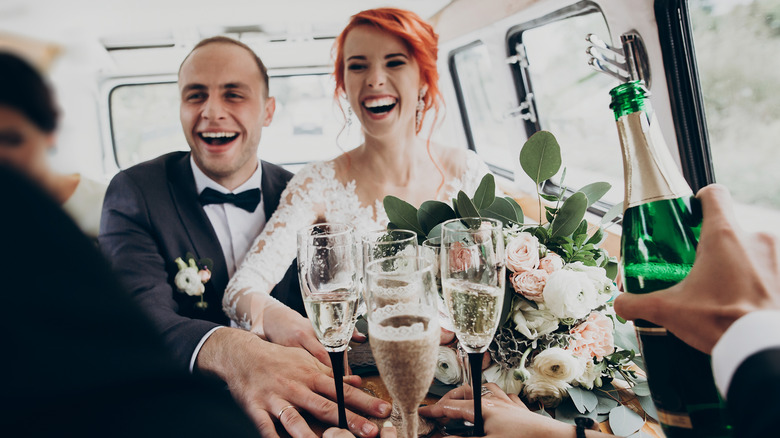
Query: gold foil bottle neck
[{"x": 651, "y": 173}]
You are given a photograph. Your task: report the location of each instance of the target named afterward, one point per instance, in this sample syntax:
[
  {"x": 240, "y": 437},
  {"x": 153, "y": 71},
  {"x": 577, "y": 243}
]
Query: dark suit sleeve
[
  {"x": 129, "y": 241},
  {"x": 753, "y": 400}
]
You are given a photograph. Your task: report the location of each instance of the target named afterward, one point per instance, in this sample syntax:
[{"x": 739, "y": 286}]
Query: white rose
[
  {"x": 546, "y": 391},
  {"x": 570, "y": 294},
  {"x": 448, "y": 369},
  {"x": 555, "y": 363},
  {"x": 188, "y": 281},
  {"x": 522, "y": 252},
  {"x": 592, "y": 375},
  {"x": 505, "y": 379},
  {"x": 533, "y": 322}
]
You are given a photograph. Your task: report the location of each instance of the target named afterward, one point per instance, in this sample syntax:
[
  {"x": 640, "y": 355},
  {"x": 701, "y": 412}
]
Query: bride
[{"x": 386, "y": 69}]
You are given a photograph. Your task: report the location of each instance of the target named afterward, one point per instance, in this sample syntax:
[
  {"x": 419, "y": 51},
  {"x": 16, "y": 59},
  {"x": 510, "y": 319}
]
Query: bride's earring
[
  {"x": 420, "y": 108},
  {"x": 349, "y": 116}
]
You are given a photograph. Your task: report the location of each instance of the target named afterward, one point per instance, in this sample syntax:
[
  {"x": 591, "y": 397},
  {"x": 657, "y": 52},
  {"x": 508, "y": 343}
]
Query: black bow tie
[{"x": 247, "y": 200}]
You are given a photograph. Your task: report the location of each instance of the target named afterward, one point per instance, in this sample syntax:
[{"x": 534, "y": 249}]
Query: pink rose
[
  {"x": 205, "y": 275},
  {"x": 551, "y": 262},
  {"x": 522, "y": 253},
  {"x": 460, "y": 257},
  {"x": 530, "y": 284},
  {"x": 593, "y": 338}
]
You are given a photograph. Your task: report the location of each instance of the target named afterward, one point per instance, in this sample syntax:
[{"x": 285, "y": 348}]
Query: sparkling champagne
[
  {"x": 404, "y": 345},
  {"x": 660, "y": 232},
  {"x": 333, "y": 319},
  {"x": 475, "y": 309}
]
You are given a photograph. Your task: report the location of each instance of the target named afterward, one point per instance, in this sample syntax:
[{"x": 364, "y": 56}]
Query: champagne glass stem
[
  {"x": 409, "y": 423},
  {"x": 475, "y": 362},
  {"x": 337, "y": 360}
]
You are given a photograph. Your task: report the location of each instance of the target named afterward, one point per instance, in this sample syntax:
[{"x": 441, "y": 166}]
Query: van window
[
  {"x": 570, "y": 98},
  {"x": 307, "y": 124},
  {"x": 740, "y": 100},
  {"x": 475, "y": 84}
]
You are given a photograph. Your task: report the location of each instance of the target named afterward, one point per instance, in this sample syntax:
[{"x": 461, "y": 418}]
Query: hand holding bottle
[{"x": 735, "y": 273}]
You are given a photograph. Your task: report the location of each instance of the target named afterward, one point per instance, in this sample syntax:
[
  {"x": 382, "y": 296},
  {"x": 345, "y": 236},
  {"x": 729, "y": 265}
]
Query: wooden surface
[{"x": 374, "y": 386}]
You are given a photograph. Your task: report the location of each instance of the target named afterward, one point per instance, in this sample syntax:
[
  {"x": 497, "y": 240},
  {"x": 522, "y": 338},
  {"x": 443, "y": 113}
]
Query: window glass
[
  {"x": 477, "y": 84},
  {"x": 736, "y": 42},
  {"x": 307, "y": 125},
  {"x": 572, "y": 100}
]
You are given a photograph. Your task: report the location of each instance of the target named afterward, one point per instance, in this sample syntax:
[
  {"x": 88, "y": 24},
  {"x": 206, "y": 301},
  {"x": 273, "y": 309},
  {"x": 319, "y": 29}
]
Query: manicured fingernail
[
  {"x": 384, "y": 409},
  {"x": 387, "y": 423},
  {"x": 368, "y": 429}
]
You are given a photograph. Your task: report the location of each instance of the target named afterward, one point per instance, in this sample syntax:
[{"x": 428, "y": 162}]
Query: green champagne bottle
[{"x": 661, "y": 223}]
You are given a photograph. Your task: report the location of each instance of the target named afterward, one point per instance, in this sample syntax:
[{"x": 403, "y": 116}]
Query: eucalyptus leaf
[
  {"x": 402, "y": 214},
  {"x": 432, "y": 213},
  {"x": 641, "y": 389},
  {"x": 612, "y": 213},
  {"x": 550, "y": 198},
  {"x": 640, "y": 362},
  {"x": 584, "y": 401},
  {"x": 455, "y": 207},
  {"x": 623, "y": 421},
  {"x": 540, "y": 157},
  {"x": 606, "y": 404},
  {"x": 625, "y": 337},
  {"x": 502, "y": 210},
  {"x": 582, "y": 228},
  {"x": 648, "y": 406},
  {"x": 639, "y": 434},
  {"x": 435, "y": 232},
  {"x": 595, "y": 191},
  {"x": 612, "y": 268},
  {"x": 466, "y": 207},
  {"x": 569, "y": 216},
  {"x": 567, "y": 412},
  {"x": 485, "y": 193},
  {"x": 518, "y": 210}
]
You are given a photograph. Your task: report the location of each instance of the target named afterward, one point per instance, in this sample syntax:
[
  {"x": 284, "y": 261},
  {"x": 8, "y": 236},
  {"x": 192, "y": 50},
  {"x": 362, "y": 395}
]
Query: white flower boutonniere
[{"x": 192, "y": 277}]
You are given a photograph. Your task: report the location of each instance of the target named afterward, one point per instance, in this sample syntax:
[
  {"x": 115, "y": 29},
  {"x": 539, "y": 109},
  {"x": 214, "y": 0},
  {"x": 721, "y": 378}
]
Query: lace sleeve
[{"x": 249, "y": 290}]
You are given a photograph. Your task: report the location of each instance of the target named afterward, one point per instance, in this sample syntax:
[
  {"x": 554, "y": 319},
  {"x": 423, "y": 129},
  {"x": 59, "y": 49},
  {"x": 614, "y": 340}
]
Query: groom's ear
[{"x": 270, "y": 107}]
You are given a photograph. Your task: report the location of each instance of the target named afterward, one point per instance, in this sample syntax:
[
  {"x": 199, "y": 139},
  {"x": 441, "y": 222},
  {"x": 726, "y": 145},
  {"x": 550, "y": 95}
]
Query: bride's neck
[{"x": 395, "y": 161}]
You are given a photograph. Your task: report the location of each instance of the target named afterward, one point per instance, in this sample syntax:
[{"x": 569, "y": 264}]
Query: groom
[{"x": 211, "y": 202}]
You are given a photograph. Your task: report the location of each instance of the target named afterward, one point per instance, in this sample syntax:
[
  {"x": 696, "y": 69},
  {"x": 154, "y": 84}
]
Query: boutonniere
[{"x": 192, "y": 277}]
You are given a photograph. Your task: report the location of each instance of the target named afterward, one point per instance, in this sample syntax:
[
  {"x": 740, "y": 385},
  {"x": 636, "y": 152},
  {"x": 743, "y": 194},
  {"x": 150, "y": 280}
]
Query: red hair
[{"x": 419, "y": 37}]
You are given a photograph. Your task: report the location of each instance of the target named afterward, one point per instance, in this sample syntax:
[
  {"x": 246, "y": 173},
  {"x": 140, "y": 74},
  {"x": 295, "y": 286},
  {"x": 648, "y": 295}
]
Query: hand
[
  {"x": 335, "y": 432},
  {"x": 734, "y": 273},
  {"x": 265, "y": 378},
  {"x": 504, "y": 415},
  {"x": 284, "y": 326}
]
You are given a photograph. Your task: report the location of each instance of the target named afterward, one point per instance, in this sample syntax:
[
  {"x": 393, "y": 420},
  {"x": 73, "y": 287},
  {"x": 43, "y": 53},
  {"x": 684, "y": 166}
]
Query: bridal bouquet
[{"x": 559, "y": 344}]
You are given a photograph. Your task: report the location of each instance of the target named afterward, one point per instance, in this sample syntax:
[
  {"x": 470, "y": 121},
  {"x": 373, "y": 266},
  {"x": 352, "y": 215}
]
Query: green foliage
[
  {"x": 540, "y": 157},
  {"x": 623, "y": 421}
]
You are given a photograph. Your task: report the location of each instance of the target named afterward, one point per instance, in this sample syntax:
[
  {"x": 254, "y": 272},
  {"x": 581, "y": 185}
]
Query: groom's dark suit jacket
[
  {"x": 753, "y": 399},
  {"x": 151, "y": 216}
]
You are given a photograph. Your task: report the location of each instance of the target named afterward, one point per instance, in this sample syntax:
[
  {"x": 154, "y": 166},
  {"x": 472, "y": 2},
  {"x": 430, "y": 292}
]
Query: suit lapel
[
  {"x": 272, "y": 186},
  {"x": 196, "y": 224}
]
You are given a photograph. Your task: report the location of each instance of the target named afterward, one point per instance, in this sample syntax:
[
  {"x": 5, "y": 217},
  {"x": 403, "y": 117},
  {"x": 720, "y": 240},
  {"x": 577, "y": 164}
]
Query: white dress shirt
[
  {"x": 235, "y": 227},
  {"x": 754, "y": 332}
]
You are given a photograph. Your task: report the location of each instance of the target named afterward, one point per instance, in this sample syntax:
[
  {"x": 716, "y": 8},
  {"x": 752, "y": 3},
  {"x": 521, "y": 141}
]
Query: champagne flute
[
  {"x": 404, "y": 327},
  {"x": 472, "y": 260},
  {"x": 328, "y": 274},
  {"x": 385, "y": 243}
]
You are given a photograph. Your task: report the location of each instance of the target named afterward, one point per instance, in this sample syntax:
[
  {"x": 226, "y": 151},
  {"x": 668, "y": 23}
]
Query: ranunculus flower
[
  {"x": 522, "y": 252},
  {"x": 533, "y": 322},
  {"x": 592, "y": 375},
  {"x": 603, "y": 284},
  {"x": 546, "y": 391},
  {"x": 188, "y": 281},
  {"x": 505, "y": 379},
  {"x": 555, "y": 363},
  {"x": 530, "y": 284},
  {"x": 448, "y": 369},
  {"x": 570, "y": 294},
  {"x": 205, "y": 275},
  {"x": 551, "y": 262},
  {"x": 461, "y": 257},
  {"x": 593, "y": 338}
]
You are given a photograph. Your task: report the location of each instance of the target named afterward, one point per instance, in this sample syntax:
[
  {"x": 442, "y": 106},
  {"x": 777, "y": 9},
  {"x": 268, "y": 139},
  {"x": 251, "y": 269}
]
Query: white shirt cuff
[
  {"x": 200, "y": 345},
  {"x": 748, "y": 335}
]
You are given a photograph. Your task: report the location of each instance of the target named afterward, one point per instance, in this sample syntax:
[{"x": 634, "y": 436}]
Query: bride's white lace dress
[{"x": 315, "y": 189}]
